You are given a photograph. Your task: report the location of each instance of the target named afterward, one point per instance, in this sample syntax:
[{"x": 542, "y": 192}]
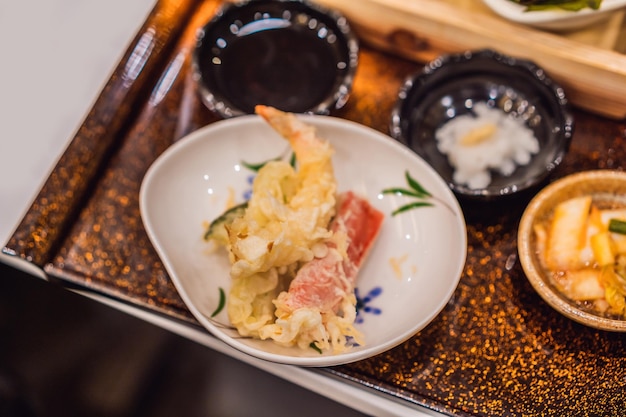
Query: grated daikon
[{"x": 487, "y": 140}]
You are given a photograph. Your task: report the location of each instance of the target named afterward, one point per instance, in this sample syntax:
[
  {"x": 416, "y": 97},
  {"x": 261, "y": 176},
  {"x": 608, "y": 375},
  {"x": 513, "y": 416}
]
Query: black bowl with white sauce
[{"x": 491, "y": 125}]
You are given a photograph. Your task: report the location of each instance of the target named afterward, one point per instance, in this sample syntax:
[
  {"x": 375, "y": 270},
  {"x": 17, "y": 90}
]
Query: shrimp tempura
[
  {"x": 293, "y": 270},
  {"x": 287, "y": 215}
]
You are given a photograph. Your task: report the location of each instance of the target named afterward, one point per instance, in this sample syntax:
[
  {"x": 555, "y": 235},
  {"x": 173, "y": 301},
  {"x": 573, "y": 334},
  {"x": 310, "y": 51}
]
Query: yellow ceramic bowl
[{"x": 601, "y": 185}]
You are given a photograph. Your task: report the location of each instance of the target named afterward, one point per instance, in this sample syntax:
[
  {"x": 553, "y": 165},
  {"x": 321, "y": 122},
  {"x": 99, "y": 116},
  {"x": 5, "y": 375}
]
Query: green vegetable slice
[
  {"x": 221, "y": 303},
  {"x": 569, "y": 5},
  {"x": 314, "y": 346},
  {"x": 617, "y": 226},
  {"x": 217, "y": 229}
]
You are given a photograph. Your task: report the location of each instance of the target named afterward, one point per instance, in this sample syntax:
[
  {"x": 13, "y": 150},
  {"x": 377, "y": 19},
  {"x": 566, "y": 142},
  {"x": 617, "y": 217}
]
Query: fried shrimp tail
[{"x": 315, "y": 171}]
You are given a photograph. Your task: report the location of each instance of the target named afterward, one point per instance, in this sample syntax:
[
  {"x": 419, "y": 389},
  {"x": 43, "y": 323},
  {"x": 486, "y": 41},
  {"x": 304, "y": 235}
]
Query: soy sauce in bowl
[{"x": 291, "y": 55}]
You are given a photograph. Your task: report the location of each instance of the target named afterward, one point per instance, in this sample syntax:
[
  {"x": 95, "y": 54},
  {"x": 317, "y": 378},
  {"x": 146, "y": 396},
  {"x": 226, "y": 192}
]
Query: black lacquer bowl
[
  {"x": 452, "y": 85},
  {"x": 289, "y": 54}
]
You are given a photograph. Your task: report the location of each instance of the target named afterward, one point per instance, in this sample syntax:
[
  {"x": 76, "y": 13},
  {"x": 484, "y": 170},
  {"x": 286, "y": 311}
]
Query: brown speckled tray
[{"x": 496, "y": 349}]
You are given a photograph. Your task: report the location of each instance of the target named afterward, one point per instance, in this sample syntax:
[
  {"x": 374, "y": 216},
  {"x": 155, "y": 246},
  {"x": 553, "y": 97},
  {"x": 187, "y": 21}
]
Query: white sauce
[{"x": 474, "y": 150}]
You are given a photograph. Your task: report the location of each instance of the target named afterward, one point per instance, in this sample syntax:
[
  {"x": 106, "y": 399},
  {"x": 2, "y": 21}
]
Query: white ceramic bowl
[
  {"x": 556, "y": 20},
  {"x": 191, "y": 183}
]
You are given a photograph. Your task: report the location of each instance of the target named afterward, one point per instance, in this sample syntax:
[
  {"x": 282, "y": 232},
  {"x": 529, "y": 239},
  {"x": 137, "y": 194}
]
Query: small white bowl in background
[{"x": 557, "y": 20}]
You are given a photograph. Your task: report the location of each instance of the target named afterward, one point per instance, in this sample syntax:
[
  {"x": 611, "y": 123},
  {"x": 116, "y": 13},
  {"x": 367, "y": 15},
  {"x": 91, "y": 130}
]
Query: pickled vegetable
[
  {"x": 581, "y": 247},
  {"x": 569, "y": 5}
]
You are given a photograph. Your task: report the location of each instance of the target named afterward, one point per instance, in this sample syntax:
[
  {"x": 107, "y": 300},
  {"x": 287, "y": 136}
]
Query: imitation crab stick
[{"x": 325, "y": 281}]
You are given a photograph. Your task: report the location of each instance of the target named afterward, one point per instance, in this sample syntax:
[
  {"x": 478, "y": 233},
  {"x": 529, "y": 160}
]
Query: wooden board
[{"x": 588, "y": 63}]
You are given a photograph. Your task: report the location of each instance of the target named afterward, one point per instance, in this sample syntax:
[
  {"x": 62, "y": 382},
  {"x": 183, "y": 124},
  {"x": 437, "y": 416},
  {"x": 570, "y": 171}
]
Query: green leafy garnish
[{"x": 221, "y": 303}]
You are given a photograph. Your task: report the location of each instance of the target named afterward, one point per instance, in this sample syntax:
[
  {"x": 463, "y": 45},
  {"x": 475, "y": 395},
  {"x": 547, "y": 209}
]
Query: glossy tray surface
[{"x": 496, "y": 349}]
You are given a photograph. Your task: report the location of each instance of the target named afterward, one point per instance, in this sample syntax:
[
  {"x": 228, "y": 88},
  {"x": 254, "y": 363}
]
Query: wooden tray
[
  {"x": 496, "y": 349},
  {"x": 590, "y": 64}
]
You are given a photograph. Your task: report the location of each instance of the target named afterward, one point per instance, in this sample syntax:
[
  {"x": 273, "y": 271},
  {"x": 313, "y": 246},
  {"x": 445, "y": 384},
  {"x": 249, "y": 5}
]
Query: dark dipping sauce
[{"x": 289, "y": 60}]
